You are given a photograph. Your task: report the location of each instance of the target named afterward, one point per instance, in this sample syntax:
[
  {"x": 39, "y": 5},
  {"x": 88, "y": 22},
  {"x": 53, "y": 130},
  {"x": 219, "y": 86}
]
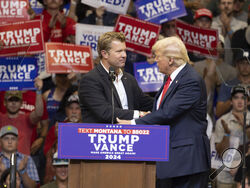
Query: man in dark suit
[
  {"x": 180, "y": 103},
  {"x": 95, "y": 87}
]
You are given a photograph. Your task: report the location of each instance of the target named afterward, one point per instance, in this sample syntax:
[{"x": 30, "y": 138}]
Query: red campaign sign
[
  {"x": 140, "y": 35},
  {"x": 198, "y": 40},
  {"x": 65, "y": 58},
  {"x": 13, "y": 11},
  {"x": 22, "y": 38}
]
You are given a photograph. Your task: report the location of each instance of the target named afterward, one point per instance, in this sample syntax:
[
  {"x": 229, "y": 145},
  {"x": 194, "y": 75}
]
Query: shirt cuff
[
  {"x": 136, "y": 114},
  {"x": 133, "y": 122}
]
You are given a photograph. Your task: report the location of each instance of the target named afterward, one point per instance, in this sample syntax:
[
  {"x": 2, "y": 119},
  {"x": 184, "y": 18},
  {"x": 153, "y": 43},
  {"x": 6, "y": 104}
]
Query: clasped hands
[{"x": 129, "y": 122}]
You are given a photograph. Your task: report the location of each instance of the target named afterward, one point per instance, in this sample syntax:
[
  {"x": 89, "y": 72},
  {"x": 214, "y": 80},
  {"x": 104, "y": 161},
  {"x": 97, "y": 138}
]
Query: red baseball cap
[{"x": 203, "y": 12}]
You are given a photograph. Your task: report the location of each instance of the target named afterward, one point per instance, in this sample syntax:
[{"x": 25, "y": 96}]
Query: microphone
[
  {"x": 112, "y": 77},
  {"x": 112, "y": 73},
  {"x": 13, "y": 170}
]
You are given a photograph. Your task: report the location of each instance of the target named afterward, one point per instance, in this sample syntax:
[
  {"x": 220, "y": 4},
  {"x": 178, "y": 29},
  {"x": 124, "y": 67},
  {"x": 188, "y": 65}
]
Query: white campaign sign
[
  {"x": 115, "y": 6},
  {"x": 88, "y": 35}
]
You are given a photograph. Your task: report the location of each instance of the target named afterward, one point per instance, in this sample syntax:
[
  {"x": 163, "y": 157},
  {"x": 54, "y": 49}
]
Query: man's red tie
[{"x": 165, "y": 88}]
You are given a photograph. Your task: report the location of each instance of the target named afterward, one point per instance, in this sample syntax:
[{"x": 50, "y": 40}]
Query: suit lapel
[
  {"x": 106, "y": 79},
  {"x": 175, "y": 82}
]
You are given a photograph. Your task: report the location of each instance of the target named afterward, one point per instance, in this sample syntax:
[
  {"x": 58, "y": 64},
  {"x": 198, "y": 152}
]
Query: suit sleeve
[
  {"x": 186, "y": 98},
  {"x": 93, "y": 97}
]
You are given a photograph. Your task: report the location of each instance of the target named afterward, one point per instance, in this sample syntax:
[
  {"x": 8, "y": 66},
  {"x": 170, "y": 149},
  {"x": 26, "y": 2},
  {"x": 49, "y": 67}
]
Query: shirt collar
[
  {"x": 176, "y": 72},
  {"x": 119, "y": 76}
]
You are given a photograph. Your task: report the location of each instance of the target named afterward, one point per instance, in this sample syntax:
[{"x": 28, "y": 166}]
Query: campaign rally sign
[
  {"x": 13, "y": 11},
  {"x": 115, "y": 6},
  {"x": 160, "y": 11},
  {"x": 88, "y": 35},
  {"x": 198, "y": 40},
  {"x": 36, "y": 6},
  {"x": 148, "y": 76},
  {"x": 21, "y": 38},
  {"x": 113, "y": 142},
  {"x": 140, "y": 35},
  {"x": 65, "y": 58},
  {"x": 18, "y": 73},
  {"x": 216, "y": 160}
]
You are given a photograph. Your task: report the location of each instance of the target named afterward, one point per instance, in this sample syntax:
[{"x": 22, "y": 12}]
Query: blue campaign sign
[
  {"x": 160, "y": 11},
  {"x": 113, "y": 142},
  {"x": 148, "y": 76},
  {"x": 36, "y": 6},
  {"x": 18, "y": 73}
]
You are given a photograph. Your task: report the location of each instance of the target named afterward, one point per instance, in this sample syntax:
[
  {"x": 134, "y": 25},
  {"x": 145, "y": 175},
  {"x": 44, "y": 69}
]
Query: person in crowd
[
  {"x": 57, "y": 27},
  {"x": 39, "y": 131},
  {"x": 25, "y": 165},
  {"x": 228, "y": 132},
  {"x": 168, "y": 29},
  {"x": 202, "y": 18},
  {"x": 95, "y": 87},
  {"x": 100, "y": 16},
  {"x": 243, "y": 67},
  {"x": 239, "y": 12},
  {"x": 55, "y": 95},
  {"x": 180, "y": 103},
  {"x": 227, "y": 24},
  {"x": 241, "y": 38},
  {"x": 24, "y": 122},
  {"x": 61, "y": 171},
  {"x": 73, "y": 113},
  {"x": 5, "y": 179}
]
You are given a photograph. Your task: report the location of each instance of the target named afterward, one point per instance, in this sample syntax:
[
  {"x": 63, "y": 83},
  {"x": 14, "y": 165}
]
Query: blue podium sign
[{"x": 113, "y": 142}]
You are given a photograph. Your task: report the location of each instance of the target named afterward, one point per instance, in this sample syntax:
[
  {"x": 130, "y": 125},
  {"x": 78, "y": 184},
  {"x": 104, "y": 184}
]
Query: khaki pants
[{"x": 226, "y": 185}]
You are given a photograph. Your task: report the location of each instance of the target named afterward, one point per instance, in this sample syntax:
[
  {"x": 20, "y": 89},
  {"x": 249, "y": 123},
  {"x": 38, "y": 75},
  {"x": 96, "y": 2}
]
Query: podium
[
  {"x": 112, "y": 156},
  {"x": 111, "y": 174}
]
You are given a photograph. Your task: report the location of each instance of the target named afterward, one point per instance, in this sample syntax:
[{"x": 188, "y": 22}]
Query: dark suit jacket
[
  {"x": 95, "y": 97},
  {"x": 184, "y": 108}
]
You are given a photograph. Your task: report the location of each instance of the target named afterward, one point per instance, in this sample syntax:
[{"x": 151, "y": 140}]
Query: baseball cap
[
  {"x": 72, "y": 99},
  {"x": 10, "y": 94},
  {"x": 203, "y": 12},
  {"x": 238, "y": 89},
  {"x": 59, "y": 162},
  {"x": 9, "y": 129},
  {"x": 242, "y": 54}
]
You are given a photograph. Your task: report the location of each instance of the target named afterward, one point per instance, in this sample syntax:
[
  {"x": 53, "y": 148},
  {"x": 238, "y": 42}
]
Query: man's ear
[
  {"x": 104, "y": 54},
  {"x": 171, "y": 61}
]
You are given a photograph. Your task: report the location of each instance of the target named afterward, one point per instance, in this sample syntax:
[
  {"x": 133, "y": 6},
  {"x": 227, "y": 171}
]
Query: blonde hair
[
  {"x": 105, "y": 40},
  {"x": 172, "y": 47}
]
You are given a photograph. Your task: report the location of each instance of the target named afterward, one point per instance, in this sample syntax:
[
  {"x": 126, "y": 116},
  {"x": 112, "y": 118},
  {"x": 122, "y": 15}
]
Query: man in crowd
[
  {"x": 61, "y": 169},
  {"x": 24, "y": 122},
  {"x": 228, "y": 132},
  {"x": 73, "y": 113},
  {"x": 180, "y": 103},
  {"x": 25, "y": 164},
  {"x": 95, "y": 90},
  {"x": 243, "y": 67},
  {"x": 227, "y": 24}
]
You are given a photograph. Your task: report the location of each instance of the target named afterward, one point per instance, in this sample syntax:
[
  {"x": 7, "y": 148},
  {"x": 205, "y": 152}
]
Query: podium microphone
[
  {"x": 112, "y": 73},
  {"x": 112, "y": 77},
  {"x": 13, "y": 170}
]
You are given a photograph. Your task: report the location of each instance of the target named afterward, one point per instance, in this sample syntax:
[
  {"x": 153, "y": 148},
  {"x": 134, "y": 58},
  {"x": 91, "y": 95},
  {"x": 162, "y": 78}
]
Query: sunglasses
[{"x": 14, "y": 99}]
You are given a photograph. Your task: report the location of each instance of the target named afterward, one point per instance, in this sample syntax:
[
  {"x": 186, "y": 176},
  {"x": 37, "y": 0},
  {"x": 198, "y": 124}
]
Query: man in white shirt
[{"x": 95, "y": 90}]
